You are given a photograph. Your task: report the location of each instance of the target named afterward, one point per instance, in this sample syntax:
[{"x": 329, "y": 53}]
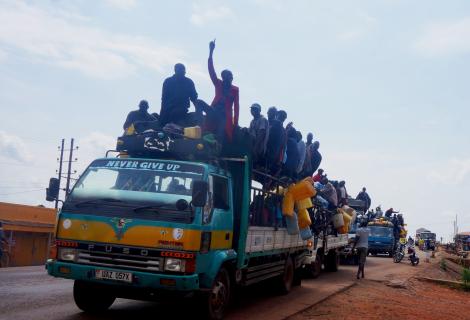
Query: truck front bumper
[{"x": 144, "y": 280}]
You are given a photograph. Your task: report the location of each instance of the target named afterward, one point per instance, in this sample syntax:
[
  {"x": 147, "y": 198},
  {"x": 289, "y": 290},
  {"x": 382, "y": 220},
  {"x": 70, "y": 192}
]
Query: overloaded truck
[
  {"x": 167, "y": 218},
  {"x": 425, "y": 239},
  {"x": 381, "y": 237}
]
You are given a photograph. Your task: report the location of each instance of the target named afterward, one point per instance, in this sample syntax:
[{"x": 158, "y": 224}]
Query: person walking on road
[{"x": 362, "y": 244}]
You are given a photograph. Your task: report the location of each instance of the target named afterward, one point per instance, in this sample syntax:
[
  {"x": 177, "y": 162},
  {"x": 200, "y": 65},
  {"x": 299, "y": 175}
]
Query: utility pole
[
  {"x": 60, "y": 169},
  {"x": 69, "y": 170},
  {"x": 62, "y": 161}
]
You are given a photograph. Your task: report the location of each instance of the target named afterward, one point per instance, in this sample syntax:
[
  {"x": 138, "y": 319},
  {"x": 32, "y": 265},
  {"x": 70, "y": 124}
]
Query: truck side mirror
[
  {"x": 199, "y": 196},
  {"x": 52, "y": 193}
]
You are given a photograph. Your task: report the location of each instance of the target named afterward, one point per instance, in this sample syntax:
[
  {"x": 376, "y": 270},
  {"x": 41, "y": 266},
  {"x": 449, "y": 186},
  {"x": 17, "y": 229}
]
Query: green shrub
[{"x": 466, "y": 278}]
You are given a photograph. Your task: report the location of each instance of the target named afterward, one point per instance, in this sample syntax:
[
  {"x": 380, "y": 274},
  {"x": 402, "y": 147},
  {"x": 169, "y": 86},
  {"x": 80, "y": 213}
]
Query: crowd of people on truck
[{"x": 278, "y": 149}]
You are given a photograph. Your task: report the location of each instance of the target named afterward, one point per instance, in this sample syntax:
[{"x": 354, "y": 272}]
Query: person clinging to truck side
[
  {"x": 361, "y": 242},
  {"x": 177, "y": 92},
  {"x": 226, "y": 101}
]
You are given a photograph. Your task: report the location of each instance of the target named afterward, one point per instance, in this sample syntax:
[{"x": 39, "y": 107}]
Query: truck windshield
[
  {"x": 131, "y": 184},
  {"x": 428, "y": 236},
  {"x": 380, "y": 232}
]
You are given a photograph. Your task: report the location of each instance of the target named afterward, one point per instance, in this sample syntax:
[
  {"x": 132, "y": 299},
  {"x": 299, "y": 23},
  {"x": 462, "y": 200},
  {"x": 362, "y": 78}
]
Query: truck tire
[
  {"x": 91, "y": 297},
  {"x": 217, "y": 300},
  {"x": 286, "y": 280},
  {"x": 332, "y": 261},
  {"x": 313, "y": 270}
]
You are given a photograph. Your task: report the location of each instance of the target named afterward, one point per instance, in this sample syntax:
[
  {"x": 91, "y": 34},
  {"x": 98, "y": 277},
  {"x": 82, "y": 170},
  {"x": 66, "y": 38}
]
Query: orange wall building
[{"x": 29, "y": 231}]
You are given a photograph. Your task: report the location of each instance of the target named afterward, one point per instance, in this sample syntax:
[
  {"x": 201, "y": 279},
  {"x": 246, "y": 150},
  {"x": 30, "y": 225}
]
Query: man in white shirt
[{"x": 362, "y": 245}]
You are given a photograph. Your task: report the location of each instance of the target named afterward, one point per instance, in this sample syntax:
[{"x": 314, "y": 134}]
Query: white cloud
[
  {"x": 203, "y": 14},
  {"x": 445, "y": 38},
  {"x": 61, "y": 38},
  {"x": 13, "y": 148},
  {"x": 361, "y": 25},
  {"x": 121, "y": 4},
  {"x": 95, "y": 145},
  {"x": 454, "y": 172},
  {"x": 3, "y": 56}
]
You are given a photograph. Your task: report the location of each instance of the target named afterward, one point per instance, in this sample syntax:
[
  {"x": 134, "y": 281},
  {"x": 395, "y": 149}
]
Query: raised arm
[
  {"x": 236, "y": 108},
  {"x": 210, "y": 63}
]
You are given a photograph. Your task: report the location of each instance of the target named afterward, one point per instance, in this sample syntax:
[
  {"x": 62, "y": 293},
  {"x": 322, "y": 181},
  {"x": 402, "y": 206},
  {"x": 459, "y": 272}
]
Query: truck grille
[{"x": 120, "y": 261}]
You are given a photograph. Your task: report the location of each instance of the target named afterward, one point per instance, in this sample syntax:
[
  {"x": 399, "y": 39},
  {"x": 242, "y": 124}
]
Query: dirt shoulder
[{"x": 403, "y": 297}]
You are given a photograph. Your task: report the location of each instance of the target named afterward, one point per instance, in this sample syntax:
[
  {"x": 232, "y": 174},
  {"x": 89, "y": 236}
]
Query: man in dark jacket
[
  {"x": 177, "y": 92},
  {"x": 139, "y": 115},
  {"x": 364, "y": 197},
  {"x": 274, "y": 145}
]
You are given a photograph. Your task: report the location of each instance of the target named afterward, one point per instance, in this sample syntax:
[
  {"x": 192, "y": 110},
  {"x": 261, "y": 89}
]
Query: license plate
[{"x": 113, "y": 275}]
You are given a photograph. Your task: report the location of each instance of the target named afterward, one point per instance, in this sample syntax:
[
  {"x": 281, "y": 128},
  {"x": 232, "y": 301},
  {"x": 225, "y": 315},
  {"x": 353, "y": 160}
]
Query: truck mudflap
[{"x": 171, "y": 282}]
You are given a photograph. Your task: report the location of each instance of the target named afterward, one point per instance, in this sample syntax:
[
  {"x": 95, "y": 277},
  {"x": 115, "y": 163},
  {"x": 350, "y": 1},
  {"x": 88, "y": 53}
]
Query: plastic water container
[
  {"x": 304, "y": 204},
  {"x": 302, "y": 190},
  {"x": 193, "y": 132},
  {"x": 304, "y": 219},
  {"x": 338, "y": 220},
  {"x": 292, "y": 224},
  {"x": 306, "y": 233},
  {"x": 288, "y": 205}
]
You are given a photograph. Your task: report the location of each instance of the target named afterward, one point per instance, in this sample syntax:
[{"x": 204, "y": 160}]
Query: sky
[{"x": 382, "y": 84}]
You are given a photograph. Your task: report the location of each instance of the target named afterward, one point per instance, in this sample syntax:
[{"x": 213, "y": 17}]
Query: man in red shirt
[
  {"x": 318, "y": 176},
  {"x": 226, "y": 101}
]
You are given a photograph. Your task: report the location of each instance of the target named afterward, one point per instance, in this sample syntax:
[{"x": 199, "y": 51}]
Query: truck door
[{"x": 221, "y": 215}]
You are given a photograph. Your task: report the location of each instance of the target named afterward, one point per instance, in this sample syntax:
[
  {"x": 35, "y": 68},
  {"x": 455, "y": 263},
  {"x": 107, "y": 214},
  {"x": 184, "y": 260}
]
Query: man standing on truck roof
[
  {"x": 273, "y": 148},
  {"x": 226, "y": 100},
  {"x": 177, "y": 92},
  {"x": 364, "y": 196},
  {"x": 362, "y": 244},
  {"x": 139, "y": 115},
  {"x": 312, "y": 156},
  {"x": 302, "y": 147},
  {"x": 259, "y": 132}
]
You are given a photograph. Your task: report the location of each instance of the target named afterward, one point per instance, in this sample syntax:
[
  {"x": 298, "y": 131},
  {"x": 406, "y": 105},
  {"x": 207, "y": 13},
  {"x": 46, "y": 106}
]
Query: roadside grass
[{"x": 466, "y": 279}]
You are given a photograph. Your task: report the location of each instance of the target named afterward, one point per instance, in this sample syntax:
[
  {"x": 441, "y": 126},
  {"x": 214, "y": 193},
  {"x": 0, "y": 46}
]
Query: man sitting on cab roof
[{"x": 139, "y": 115}]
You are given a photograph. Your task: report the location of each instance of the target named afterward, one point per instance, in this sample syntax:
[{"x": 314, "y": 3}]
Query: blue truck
[{"x": 381, "y": 237}]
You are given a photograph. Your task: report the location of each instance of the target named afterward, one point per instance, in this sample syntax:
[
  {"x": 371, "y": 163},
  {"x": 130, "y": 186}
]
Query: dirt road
[
  {"x": 400, "y": 297},
  {"x": 29, "y": 293}
]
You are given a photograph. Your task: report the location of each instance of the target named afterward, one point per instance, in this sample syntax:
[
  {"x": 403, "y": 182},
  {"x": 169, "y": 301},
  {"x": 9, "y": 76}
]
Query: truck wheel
[
  {"x": 332, "y": 261},
  {"x": 313, "y": 270},
  {"x": 219, "y": 297},
  {"x": 286, "y": 280},
  {"x": 91, "y": 297}
]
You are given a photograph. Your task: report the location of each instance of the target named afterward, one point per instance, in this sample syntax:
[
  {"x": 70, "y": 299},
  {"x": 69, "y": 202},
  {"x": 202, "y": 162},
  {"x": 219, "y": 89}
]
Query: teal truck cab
[{"x": 159, "y": 224}]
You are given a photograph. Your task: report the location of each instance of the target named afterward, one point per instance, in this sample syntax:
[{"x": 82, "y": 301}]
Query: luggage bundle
[{"x": 170, "y": 142}]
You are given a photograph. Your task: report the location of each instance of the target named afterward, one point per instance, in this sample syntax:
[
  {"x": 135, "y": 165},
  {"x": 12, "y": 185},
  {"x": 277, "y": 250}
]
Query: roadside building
[{"x": 29, "y": 231}]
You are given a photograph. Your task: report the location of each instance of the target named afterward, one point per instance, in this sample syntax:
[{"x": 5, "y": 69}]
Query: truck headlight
[
  {"x": 67, "y": 254},
  {"x": 174, "y": 265}
]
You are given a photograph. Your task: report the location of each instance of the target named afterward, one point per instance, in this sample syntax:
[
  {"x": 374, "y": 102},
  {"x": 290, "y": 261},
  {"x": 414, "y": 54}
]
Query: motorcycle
[
  {"x": 400, "y": 254},
  {"x": 412, "y": 256}
]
